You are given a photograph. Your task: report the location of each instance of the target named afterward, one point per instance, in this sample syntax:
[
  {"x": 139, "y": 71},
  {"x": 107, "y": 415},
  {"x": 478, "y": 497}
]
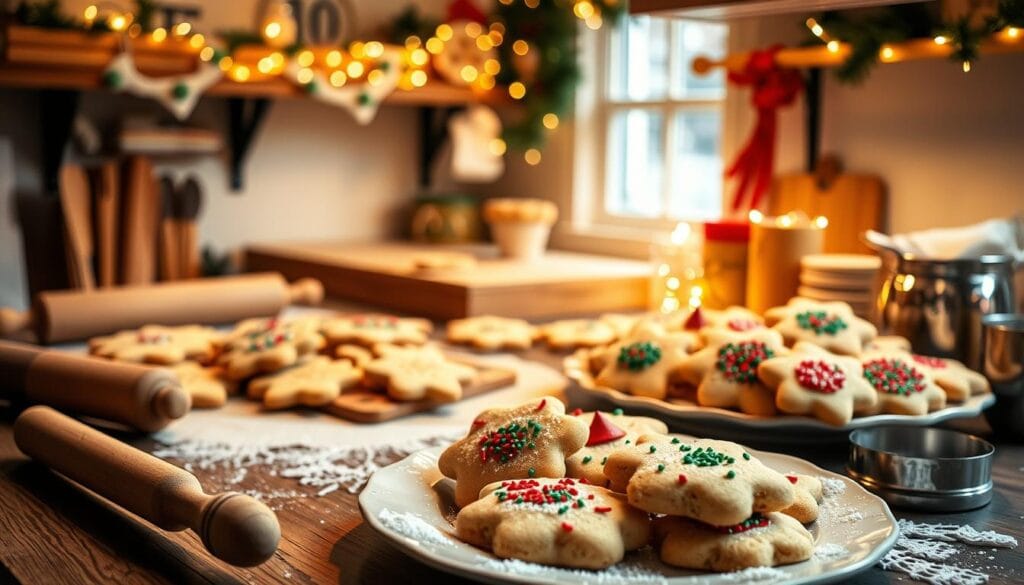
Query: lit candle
[{"x": 776, "y": 246}]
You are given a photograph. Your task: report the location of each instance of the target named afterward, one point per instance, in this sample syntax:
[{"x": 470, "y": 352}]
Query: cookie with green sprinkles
[
  {"x": 901, "y": 384},
  {"x": 553, "y": 521},
  {"x": 761, "y": 540},
  {"x": 643, "y": 363},
  {"x": 262, "y": 346},
  {"x": 717, "y": 482},
  {"x": 587, "y": 463},
  {"x": 832, "y": 325},
  {"x": 531, "y": 440},
  {"x": 725, "y": 371}
]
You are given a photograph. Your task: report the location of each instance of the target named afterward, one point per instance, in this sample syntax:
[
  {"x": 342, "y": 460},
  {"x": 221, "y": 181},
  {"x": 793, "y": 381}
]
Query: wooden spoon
[{"x": 76, "y": 202}]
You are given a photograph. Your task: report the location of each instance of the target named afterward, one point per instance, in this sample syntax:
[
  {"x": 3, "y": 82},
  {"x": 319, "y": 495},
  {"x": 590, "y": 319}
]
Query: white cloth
[{"x": 996, "y": 236}]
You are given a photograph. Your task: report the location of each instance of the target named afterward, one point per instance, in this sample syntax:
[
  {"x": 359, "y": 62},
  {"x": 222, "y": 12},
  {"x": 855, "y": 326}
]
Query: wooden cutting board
[
  {"x": 367, "y": 406},
  {"x": 852, "y": 203}
]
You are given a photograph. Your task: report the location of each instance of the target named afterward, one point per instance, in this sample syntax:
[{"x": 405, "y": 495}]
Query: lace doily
[{"x": 925, "y": 552}]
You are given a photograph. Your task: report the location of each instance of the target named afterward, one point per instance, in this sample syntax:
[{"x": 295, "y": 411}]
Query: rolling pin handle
[
  {"x": 239, "y": 529},
  {"x": 13, "y": 321},
  {"x": 306, "y": 291},
  {"x": 171, "y": 403}
]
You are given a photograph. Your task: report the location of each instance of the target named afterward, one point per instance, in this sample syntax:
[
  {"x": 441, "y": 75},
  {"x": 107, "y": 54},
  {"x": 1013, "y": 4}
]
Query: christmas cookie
[
  {"x": 813, "y": 381},
  {"x": 492, "y": 333},
  {"x": 315, "y": 381},
  {"x": 888, "y": 342},
  {"x": 156, "y": 344},
  {"x": 267, "y": 345},
  {"x": 725, "y": 371},
  {"x": 902, "y": 387},
  {"x": 417, "y": 373},
  {"x": 959, "y": 382},
  {"x": 572, "y": 333},
  {"x": 809, "y": 492},
  {"x": 528, "y": 441},
  {"x": 831, "y": 325},
  {"x": 207, "y": 386},
  {"x": 370, "y": 329},
  {"x": 643, "y": 365},
  {"x": 562, "y": 522},
  {"x": 357, "y": 355},
  {"x": 762, "y": 540},
  {"x": 621, "y": 323},
  {"x": 716, "y": 482},
  {"x": 608, "y": 432},
  {"x": 737, "y": 319}
]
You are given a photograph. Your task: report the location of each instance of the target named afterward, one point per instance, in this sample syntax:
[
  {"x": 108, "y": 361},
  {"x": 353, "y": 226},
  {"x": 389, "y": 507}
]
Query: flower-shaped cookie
[
  {"x": 562, "y": 522},
  {"x": 959, "y": 382},
  {"x": 814, "y": 381},
  {"x": 156, "y": 344},
  {"x": 608, "y": 432},
  {"x": 571, "y": 333},
  {"x": 643, "y": 363},
  {"x": 492, "y": 333},
  {"x": 716, "y": 482},
  {"x": 417, "y": 373},
  {"x": 370, "y": 329},
  {"x": 809, "y": 493},
  {"x": 207, "y": 386},
  {"x": 522, "y": 442},
  {"x": 315, "y": 381},
  {"x": 763, "y": 540},
  {"x": 267, "y": 345},
  {"x": 831, "y": 325},
  {"x": 902, "y": 387},
  {"x": 725, "y": 371}
]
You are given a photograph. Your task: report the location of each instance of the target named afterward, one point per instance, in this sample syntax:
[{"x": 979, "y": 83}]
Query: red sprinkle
[
  {"x": 602, "y": 509},
  {"x": 542, "y": 404},
  {"x": 931, "y": 362},
  {"x": 590, "y": 496},
  {"x": 577, "y": 411},
  {"x": 791, "y": 478},
  {"x": 743, "y": 324},
  {"x": 820, "y": 376},
  {"x": 479, "y": 422},
  {"x": 681, "y": 480},
  {"x": 566, "y": 527}
]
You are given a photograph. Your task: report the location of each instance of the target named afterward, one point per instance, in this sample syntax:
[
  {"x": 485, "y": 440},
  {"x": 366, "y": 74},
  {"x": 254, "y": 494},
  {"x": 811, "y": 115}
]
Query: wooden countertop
[{"x": 52, "y": 532}]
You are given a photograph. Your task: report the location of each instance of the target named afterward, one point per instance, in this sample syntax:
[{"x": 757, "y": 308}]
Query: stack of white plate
[{"x": 840, "y": 277}]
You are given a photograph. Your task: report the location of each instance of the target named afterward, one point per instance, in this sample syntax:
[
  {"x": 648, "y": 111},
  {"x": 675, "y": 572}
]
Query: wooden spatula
[
  {"x": 76, "y": 202},
  {"x": 107, "y": 209},
  {"x": 139, "y": 224}
]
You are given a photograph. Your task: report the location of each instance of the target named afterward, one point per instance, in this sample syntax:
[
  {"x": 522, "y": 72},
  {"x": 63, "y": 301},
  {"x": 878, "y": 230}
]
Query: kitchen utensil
[
  {"x": 233, "y": 527},
  {"x": 938, "y": 304},
  {"x": 190, "y": 200},
  {"x": 58, "y": 316},
  {"x": 139, "y": 222},
  {"x": 1003, "y": 365},
  {"x": 139, "y": 396},
  {"x": 107, "y": 207},
  {"x": 76, "y": 203},
  {"x": 170, "y": 247},
  {"x": 924, "y": 468},
  {"x": 852, "y": 203}
]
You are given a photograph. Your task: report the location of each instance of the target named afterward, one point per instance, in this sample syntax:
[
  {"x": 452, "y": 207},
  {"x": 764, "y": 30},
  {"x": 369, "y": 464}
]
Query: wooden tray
[{"x": 368, "y": 406}]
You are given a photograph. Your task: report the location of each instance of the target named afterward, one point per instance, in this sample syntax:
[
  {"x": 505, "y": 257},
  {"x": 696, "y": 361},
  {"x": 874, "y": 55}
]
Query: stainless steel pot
[
  {"x": 938, "y": 304},
  {"x": 1003, "y": 365}
]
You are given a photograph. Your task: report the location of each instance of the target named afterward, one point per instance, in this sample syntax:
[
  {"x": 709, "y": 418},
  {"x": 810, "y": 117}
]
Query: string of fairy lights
[{"x": 359, "y": 61}]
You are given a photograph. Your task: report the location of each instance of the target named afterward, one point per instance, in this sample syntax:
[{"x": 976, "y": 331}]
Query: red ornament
[
  {"x": 603, "y": 431},
  {"x": 695, "y": 321}
]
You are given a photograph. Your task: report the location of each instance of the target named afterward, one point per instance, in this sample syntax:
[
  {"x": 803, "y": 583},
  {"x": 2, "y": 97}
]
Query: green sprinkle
[
  {"x": 653, "y": 448},
  {"x": 587, "y": 459},
  {"x": 532, "y": 472},
  {"x": 563, "y": 509},
  {"x": 675, "y": 440},
  {"x": 627, "y": 441},
  {"x": 580, "y": 503},
  {"x": 730, "y": 475},
  {"x": 661, "y": 467},
  {"x": 617, "y": 411},
  {"x": 746, "y": 456},
  {"x": 603, "y": 461}
]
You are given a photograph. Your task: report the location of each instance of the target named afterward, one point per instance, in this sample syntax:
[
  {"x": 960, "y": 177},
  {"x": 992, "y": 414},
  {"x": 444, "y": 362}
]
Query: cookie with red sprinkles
[
  {"x": 831, "y": 325},
  {"x": 717, "y": 482},
  {"x": 608, "y": 432},
  {"x": 725, "y": 371},
  {"x": 553, "y": 521},
  {"x": 260, "y": 346},
  {"x": 369, "y": 329},
  {"x": 761, "y": 540},
  {"x": 528, "y": 441},
  {"x": 958, "y": 381},
  {"x": 815, "y": 382},
  {"x": 902, "y": 385}
]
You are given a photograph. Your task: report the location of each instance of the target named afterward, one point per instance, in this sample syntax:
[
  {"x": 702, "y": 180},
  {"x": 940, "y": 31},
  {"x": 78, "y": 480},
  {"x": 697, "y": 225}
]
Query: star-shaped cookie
[
  {"x": 621, "y": 322},
  {"x": 572, "y": 333},
  {"x": 809, "y": 493},
  {"x": 725, "y": 371},
  {"x": 156, "y": 344},
  {"x": 267, "y": 345},
  {"x": 608, "y": 432},
  {"x": 206, "y": 385},
  {"x": 819, "y": 383},
  {"x": 716, "y": 482},
  {"x": 417, "y": 373},
  {"x": 369, "y": 329},
  {"x": 902, "y": 387},
  {"x": 888, "y": 342},
  {"x": 531, "y": 440},
  {"x": 736, "y": 319},
  {"x": 643, "y": 364},
  {"x": 959, "y": 382},
  {"x": 562, "y": 522},
  {"x": 763, "y": 540},
  {"x": 315, "y": 381},
  {"x": 831, "y": 325},
  {"x": 491, "y": 333},
  {"x": 357, "y": 355}
]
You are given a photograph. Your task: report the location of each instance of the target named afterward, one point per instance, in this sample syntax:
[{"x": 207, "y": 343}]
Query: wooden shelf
[{"x": 722, "y": 10}]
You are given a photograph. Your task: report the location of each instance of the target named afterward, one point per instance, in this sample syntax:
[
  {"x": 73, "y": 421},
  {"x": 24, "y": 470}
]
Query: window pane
[
  {"x": 639, "y": 56},
  {"x": 696, "y": 165},
  {"x": 636, "y": 164},
  {"x": 694, "y": 39}
]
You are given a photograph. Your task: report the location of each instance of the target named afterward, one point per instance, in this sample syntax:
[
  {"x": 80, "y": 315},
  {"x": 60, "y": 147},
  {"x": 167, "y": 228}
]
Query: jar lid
[{"x": 727, "y": 231}]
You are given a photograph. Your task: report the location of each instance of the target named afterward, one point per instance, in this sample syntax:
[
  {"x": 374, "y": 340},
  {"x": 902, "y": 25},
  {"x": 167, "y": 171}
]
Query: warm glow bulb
[
  {"x": 90, "y": 12},
  {"x": 594, "y": 22},
  {"x": 833, "y": 46},
  {"x": 550, "y": 121},
  {"x": 583, "y": 9},
  {"x": 941, "y": 40},
  {"x": 672, "y": 283},
  {"x": 785, "y": 220},
  {"x": 492, "y": 66},
  {"x": 374, "y": 49},
  {"x": 469, "y": 73},
  {"x": 197, "y": 41},
  {"x": 532, "y": 3},
  {"x": 517, "y": 90},
  {"x": 240, "y": 73},
  {"x": 272, "y": 30},
  {"x": 497, "y": 146},
  {"x": 821, "y": 222},
  {"x": 532, "y": 156},
  {"x": 182, "y": 29},
  {"x": 435, "y": 45},
  {"x": 419, "y": 57},
  {"x": 484, "y": 43},
  {"x": 265, "y": 65},
  {"x": 520, "y": 47},
  {"x": 207, "y": 54},
  {"x": 355, "y": 69},
  {"x": 357, "y": 49},
  {"x": 967, "y": 66},
  {"x": 160, "y": 35},
  {"x": 816, "y": 28},
  {"x": 305, "y": 58},
  {"x": 444, "y": 32},
  {"x": 338, "y": 78},
  {"x": 375, "y": 77},
  {"x": 304, "y": 75},
  {"x": 225, "y": 63},
  {"x": 412, "y": 42},
  {"x": 1012, "y": 32},
  {"x": 755, "y": 216},
  {"x": 418, "y": 78},
  {"x": 277, "y": 59},
  {"x": 473, "y": 29},
  {"x": 333, "y": 58},
  {"x": 887, "y": 53},
  {"x": 117, "y": 22}
]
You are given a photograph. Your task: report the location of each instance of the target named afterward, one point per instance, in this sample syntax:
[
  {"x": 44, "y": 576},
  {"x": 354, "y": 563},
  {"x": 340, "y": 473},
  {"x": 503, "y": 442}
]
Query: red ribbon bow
[{"x": 773, "y": 87}]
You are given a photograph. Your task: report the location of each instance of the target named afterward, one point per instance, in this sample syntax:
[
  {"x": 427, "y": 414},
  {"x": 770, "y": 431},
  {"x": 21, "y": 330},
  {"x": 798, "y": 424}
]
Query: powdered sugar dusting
[
  {"x": 832, "y": 487},
  {"x": 828, "y": 551},
  {"x": 412, "y": 526},
  {"x": 754, "y": 575},
  {"x": 620, "y": 573}
]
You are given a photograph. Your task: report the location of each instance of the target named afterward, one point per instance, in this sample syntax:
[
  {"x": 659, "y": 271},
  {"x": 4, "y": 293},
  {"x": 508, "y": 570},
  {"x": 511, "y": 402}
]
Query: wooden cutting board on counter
[
  {"x": 853, "y": 203},
  {"x": 386, "y": 275}
]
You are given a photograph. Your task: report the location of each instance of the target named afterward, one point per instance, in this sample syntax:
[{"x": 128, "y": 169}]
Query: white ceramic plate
[
  {"x": 411, "y": 504},
  {"x": 719, "y": 423}
]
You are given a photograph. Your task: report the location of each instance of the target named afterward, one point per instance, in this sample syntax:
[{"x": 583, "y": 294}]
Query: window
[{"x": 660, "y": 123}]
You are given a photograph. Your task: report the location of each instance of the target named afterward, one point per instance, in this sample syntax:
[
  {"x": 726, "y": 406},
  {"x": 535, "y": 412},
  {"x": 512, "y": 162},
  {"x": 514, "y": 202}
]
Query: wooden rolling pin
[
  {"x": 58, "y": 316},
  {"x": 234, "y": 527},
  {"x": 142, "y": 397}
]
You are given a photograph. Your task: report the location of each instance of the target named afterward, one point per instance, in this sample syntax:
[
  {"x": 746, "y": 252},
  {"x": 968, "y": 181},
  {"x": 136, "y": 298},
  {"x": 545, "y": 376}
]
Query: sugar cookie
[
  {"x": 492, "y": 333},
  {"x": 902, "y": 387},
  {"x": 832, "y": 325},
  {"x": 809, "y": 492},
  {"x": 644, "y": 364},
  {"x": 572, "y": 333},
  {"x": 608, "y": 432},
  {"x": 368, "y": 329},
  {"x": 206, "y": 385},
  {"x": 959, "y": 382},
  {"x": 315, "y": 381},
  {"x": 156, "y": 344},
  {"x": 762, "y": 540},
  {"x": 417, "y": 373},
  {"x": 267, "y": 345}
]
